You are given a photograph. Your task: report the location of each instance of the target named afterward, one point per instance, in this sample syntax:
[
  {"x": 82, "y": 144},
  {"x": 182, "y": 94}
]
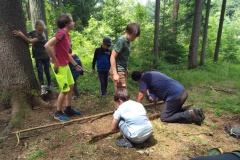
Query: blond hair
[{"x": 40, "y": 23}]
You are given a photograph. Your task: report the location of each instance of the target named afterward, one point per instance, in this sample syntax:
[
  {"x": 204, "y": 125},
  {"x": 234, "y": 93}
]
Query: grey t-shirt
[
  {"x": 38, "y": 49},
  {"x": 122, "y": 46}
]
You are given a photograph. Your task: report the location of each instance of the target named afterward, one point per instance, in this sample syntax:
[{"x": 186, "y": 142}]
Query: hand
[
  {"x": 56, "y": 66},
  {"x": 150, "y": 99},
  {"x": 17, "y": 33},
  {"x": 78, "y": 68},
  {"x": 93, "y": 71},
  {"x": 116, "y": 78}
]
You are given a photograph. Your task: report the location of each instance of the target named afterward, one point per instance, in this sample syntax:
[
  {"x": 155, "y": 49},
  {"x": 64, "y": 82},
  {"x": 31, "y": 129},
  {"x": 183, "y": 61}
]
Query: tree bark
[
  {"x": 174, "y": 20},
  {"x": 37, "y": 12},
  {"x": 193, "y": 48},
  {"x": 156, "y": 34},
  {"x": 205, "y": 32},
  {"x": 16, "y": 70},
  {"x": 220, "y": 30}
]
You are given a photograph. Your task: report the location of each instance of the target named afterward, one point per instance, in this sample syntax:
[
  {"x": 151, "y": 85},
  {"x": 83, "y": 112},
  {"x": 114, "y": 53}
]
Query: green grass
[{"x": 37, "y": 154}]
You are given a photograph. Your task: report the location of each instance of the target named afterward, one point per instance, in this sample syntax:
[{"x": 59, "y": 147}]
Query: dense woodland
[{"x": 184, "y": 29}]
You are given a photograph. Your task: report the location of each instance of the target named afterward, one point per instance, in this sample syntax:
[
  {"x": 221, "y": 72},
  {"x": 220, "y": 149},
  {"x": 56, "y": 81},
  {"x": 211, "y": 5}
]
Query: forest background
[{"x": 97, "y": 19}]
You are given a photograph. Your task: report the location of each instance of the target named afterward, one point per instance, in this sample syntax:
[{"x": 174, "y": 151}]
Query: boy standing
[
  {"x": 60, "y": 59},
  {"x": 75, "y": 72},
  {"x": 120, "y": 55},
  {"x": 102, "y": 56}
]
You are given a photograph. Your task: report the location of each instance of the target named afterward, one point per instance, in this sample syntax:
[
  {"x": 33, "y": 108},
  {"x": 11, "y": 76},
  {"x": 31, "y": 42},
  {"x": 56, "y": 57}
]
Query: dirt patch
[{"x": 169, "y": 141}]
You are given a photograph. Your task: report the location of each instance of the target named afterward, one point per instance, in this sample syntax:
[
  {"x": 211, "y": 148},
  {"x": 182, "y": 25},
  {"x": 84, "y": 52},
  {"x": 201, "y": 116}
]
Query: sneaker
[
  {"x": 195, "y": 116},
  {"x": 123, "y": 142},
  {"x": 43, "y": 90},
  {"x": 49, "y": 87},
  {"x": 200, "y": 113},
  {"x": 61, "y": 116},
  {"x": 71, "y": 112}
]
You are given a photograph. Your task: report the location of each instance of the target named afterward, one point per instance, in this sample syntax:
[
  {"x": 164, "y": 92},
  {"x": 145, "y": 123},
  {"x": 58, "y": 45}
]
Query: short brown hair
[
  {"x": 133, "y": 29},
  {"x": 121, "y": 94},
  {"x": 63, "y": 19}
]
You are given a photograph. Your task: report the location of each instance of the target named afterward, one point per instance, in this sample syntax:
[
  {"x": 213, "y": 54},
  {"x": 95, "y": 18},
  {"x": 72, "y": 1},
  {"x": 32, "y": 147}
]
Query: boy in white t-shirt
[{"x": 130, "y": 117}]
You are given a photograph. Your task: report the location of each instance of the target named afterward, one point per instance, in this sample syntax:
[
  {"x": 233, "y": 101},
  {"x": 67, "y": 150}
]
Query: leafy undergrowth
[{"x": 71, "y": 141}]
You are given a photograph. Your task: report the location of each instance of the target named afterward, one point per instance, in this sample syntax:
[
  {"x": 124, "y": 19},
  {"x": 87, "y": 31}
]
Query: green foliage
[{"x": 174, "y": 53}]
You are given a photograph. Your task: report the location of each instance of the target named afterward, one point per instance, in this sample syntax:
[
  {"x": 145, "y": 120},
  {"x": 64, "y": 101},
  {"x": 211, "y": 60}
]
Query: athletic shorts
[{"x": 64, "y": 78}]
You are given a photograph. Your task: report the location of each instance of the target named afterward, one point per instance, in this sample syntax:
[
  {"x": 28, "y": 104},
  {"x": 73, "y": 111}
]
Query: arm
[
  {"x": 79, "y": 68},
  {"x": 94, "y": 61},
  {"x": 18, "y": 33},
  {"x": 113, "y": 66},
  {"x": 49, "y": 48},
  {"x": 140, "y": 96},
  {"x": 114, "y": 125}
]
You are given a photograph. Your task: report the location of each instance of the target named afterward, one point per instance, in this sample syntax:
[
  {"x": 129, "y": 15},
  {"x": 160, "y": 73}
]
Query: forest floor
[{"x": 170, "y": 141}]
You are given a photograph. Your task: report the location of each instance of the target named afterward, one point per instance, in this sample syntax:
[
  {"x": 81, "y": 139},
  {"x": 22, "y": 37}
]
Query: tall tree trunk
[
  {"x": 37, "y": 12},
  {"x": 193, "y": 48},
  {"x": 16, "y": 70},
  {"x": 220, "y": 31},
  {"x": 205, "y": 32},
  {"x": 156, "y": 34},
  {"x": 174, "y": 20}
]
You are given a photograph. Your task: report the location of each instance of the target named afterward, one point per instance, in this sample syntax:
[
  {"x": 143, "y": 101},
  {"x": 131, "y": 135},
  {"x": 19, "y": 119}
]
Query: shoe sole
[
  {"x": 196, "y": 117},
  {"x": 60, "y": 119},
  {"x": 201, "y": 114}
]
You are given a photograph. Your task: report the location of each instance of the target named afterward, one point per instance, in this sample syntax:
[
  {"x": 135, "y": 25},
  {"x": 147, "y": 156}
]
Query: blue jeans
[{"x": 40, "y": 64}]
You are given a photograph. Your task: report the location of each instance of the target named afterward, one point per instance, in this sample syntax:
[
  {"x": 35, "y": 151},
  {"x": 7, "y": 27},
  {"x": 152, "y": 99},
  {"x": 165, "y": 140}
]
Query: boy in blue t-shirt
[{"x": 102, "y": 57}]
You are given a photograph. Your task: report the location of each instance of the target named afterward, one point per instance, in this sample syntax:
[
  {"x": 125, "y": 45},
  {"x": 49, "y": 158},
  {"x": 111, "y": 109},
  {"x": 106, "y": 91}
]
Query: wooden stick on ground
[
  {"x": 152, "y": 104},
  {"x": 101, "y": 136},
  {"x": 61, "y": 123}
]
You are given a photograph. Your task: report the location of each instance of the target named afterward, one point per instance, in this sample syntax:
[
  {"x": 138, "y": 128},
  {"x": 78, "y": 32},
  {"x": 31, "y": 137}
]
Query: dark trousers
[
  {"x": 40, "y": 64},
  {"x": 103, "y": 78},
  {"x": 75, "y": 87},
  {"x": 172, "y": 110}
]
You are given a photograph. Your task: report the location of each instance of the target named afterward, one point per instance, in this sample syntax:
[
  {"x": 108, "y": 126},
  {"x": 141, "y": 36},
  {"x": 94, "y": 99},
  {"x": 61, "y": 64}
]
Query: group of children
[{"x": 130, "y": 116}]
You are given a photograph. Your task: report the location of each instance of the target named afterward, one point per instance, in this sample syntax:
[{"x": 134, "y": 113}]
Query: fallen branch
[
  {"x": 61, "y": 123},
  {"x": 152, "y": 104},
  {"x": 219, "y": 89},
  {"x": 101, "y": 136}
]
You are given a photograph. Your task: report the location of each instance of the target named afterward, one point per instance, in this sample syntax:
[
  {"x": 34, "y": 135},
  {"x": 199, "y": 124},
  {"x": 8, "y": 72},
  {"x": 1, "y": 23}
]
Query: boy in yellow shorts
[{"x": 60, "y": 58}]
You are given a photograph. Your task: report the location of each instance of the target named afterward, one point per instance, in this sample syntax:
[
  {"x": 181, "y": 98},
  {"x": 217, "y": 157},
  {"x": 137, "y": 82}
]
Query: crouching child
[{"x": 131, "y": 119}]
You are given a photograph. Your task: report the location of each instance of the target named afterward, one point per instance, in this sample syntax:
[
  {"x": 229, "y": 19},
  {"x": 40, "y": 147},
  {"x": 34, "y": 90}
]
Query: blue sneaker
[
  {"x": 71, "y": 112},
  {"x": 61, "y": 116}
]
